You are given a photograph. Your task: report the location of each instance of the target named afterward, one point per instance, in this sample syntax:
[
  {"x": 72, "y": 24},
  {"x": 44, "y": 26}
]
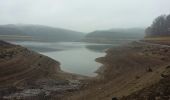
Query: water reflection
[
  {"x": 98, "y": 48},
  {"x": 75, "y": 57}
]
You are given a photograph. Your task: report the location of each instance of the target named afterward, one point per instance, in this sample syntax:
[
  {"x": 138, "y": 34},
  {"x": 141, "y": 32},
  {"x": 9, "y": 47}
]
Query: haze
[{"x": 83, "y": 15}]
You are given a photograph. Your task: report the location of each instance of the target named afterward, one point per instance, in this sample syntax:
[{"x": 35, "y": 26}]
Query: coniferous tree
[{"x": 159, "y": 27}]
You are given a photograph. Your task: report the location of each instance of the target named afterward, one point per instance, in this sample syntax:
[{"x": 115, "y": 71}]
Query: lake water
[{"x": 75, "y": 57}]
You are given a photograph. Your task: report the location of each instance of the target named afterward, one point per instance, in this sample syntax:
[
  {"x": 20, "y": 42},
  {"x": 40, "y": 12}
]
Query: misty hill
[
  {"x": 115, "y": 34},
  {"x": 38, "y": 33}
]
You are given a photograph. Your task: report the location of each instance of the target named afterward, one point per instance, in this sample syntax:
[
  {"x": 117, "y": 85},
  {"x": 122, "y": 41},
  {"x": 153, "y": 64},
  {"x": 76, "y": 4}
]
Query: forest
[{"x": 159, "y": 27}]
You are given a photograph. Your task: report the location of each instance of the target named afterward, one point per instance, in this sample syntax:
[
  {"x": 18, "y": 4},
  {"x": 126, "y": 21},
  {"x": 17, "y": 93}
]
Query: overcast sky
[{"x": 83, "y": 15}]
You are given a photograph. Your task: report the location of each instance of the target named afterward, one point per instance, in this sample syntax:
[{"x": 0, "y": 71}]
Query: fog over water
[
  {"x": 83, "y": 15},
  {"x": 74, "y": 57}
]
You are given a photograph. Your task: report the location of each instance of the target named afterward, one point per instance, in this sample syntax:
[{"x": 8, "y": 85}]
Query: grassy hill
[
  {"x": 38, "y": 33},
  {"x": 115, "y": 34}
]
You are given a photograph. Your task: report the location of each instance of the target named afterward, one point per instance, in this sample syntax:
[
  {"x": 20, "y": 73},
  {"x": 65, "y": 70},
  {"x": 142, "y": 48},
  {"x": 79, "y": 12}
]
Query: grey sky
[{"x": 83, "y": 15}]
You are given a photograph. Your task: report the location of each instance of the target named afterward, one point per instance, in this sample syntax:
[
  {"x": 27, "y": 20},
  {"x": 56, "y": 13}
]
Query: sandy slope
[
  {"x": 25, "y": 74},
  {"x": 126, "y": 70},
  {"x": 19, "y": 64}
]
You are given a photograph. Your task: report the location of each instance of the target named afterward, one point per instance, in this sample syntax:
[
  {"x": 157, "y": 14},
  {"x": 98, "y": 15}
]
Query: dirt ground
[
  {"x": 126, "y": 70},
  {"x": 25, "y": 73}
]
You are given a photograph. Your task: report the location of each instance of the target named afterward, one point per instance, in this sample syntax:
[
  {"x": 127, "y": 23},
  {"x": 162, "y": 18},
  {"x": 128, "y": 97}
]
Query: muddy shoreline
[
  {"x": 125, "y": 70},
  {"x": 26, "y": 74}
]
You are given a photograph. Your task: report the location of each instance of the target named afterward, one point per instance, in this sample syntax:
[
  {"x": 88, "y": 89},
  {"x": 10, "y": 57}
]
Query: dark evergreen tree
[
  {"x": 168, "y": 24},
  {"x": 159, "y": 27}
]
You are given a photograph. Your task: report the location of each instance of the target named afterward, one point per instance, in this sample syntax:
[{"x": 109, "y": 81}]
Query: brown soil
[
  {"x": 25, "y": 70},
  {"x": 19, "y": 64},
  {"x": 158, "y": 40},
  {"x": 157, "y": 91},
  {"x": 126, "y": 69}
]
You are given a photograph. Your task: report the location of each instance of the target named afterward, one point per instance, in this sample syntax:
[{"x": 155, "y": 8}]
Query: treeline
[{"x": 159, "y": 27}]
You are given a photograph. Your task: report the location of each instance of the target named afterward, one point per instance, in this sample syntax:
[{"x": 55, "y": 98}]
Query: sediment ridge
[
  {"x": 26, "y": 74},
  {"x": 126, "y": 70},
  {"x": 137, "y": 71}
]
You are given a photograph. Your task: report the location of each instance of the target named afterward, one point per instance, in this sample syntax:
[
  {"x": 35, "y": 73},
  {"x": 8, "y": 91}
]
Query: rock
[
  {"x": 137, "y": 77},
  {"x": 149, "y": 70},
  {"x": 166, "y": 50},
  {"x": 114, "y": 98},
  {"x": 168, "y": 67},
  {"x": 163, "y": 59},
  {"x": 164, "y": 76}
]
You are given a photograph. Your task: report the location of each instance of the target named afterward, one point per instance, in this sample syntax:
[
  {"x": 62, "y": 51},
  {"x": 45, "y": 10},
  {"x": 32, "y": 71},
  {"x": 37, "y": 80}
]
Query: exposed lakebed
[{"x": 75, "y": 57}]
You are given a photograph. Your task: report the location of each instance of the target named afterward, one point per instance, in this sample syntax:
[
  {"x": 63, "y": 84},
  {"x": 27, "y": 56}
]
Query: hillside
[
  {"x": 38, "y": 33},
  {"x": 19, "y": 61},
  {"x": 115, "y": 34},
  {"x": 28, "y": 75},
  {"x": 137, "y": 71},
  {"x": 130, "y": 72}
]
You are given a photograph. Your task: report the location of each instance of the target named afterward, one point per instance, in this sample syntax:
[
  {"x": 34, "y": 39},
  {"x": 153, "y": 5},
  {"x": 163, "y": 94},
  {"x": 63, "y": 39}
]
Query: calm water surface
[{"x": 75, "y": 57}]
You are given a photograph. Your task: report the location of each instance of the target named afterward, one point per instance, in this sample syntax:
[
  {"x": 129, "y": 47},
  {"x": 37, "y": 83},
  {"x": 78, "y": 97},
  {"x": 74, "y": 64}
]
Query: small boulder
[
  {"x": 166, "y": 50},
  {"x": 168, "y": 67},
  {"x": 137, "y": 77},
  {"x": 163, "y": 59},
  {"x": 149, "y": 70},
  {"x": 164, "y": 76},
  {"x": 114, "y": 98}
]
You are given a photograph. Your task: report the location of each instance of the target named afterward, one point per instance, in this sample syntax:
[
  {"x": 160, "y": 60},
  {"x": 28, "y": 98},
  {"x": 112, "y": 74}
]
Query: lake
[{"x": 75, "y": 57}]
